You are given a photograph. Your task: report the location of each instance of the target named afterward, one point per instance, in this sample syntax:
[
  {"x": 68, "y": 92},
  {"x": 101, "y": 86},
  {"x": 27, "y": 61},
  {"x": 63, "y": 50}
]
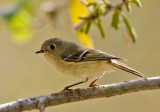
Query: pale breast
[{"x": 90, "y": 69}]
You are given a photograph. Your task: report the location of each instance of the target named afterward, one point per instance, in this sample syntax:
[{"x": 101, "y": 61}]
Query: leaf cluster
[{"x": 119, "y": 20}]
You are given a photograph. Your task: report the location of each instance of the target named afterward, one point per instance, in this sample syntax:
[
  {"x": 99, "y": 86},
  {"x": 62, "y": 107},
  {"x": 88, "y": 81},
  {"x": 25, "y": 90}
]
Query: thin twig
[
  {"x": 111, "y": 7},
  {"x": 82, "y": 94},
  {"x": 41, "y": 106}
]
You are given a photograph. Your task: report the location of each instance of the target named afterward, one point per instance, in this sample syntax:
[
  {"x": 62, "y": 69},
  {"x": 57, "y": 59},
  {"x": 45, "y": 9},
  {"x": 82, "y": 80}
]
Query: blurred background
[{"x": 24, "y": 26}]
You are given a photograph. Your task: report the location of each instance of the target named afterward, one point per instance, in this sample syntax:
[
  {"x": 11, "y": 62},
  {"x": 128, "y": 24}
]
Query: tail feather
[{"x": 126, "y": 68}]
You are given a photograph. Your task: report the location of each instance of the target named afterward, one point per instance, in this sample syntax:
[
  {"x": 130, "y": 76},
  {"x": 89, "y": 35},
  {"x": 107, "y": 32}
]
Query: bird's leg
[
  {"x": 92, "y": 84},
  {"x": 67, "y": 87}
]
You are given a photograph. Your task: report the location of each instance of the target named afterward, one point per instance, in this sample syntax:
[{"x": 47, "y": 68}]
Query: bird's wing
[{"x": 89, "y": 55}]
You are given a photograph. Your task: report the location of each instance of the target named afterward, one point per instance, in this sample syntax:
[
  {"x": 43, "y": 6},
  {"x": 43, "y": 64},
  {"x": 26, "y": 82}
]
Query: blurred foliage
[
  {"x": 19, "y": 24},
  {"x": 130, "y": 29},
  {"x": 83, "y": 14},
  {"x": 128, "y": 6},
  {"x": 76, "y": 9},
  {"x": 101, "y": 8},
  {"x": 116, "y": 18},
  {"x": 19, "y": 21}
]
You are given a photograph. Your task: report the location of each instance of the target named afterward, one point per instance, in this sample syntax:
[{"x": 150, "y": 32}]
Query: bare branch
[{"x": 40, "y": 102}]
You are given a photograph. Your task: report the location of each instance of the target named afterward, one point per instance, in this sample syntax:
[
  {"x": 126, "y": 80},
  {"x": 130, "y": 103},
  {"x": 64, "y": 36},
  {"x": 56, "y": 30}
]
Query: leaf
[
  {"x": 116, "y": 18},
  {"x": 76, "y": 9},
  {"x": 85, "y": 39},
  {"x": 137, "y": 2},
  {"x": 10, "y": 10},
  {"x": 102, "y": 9},
  {"x": 88, "y": 27},
  {"x": 130, "y": 29},
  {"x": 99, "y": 25},
  {"x": 29, "y": 7},
  {"x": 128, "y": 6},
  {"x": 20, "y": 29}
]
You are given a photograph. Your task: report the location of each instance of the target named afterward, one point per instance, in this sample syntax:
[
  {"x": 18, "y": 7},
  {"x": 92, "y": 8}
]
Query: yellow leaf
[
  {"x": 85, "y": 39},
  {"x": 77, "y": 9}
]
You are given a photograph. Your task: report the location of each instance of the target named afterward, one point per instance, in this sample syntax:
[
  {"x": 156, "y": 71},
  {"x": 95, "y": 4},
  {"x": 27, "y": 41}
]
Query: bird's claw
[
  {"x": 67, "y": 89},
  {"x": 93, "y": 85}
]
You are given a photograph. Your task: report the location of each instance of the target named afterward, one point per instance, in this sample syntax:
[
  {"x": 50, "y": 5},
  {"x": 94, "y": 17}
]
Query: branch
[
  {"x": 41, "y": 102},
  {"x": 91, "y": 17}
]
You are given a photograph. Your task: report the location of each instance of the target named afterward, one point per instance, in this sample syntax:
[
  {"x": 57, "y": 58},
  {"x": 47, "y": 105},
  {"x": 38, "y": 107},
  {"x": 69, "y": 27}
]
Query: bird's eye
[{"x": 52, "y": 47}]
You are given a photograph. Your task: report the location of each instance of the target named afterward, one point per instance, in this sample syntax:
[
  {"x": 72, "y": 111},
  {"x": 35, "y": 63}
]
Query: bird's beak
[{"x": 41, "y": 51}]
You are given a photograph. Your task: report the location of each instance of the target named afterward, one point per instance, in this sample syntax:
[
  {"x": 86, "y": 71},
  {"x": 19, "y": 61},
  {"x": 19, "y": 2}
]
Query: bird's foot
[
  {"x": 93, "y": 85},
  {"x": 67, "y": 89}
]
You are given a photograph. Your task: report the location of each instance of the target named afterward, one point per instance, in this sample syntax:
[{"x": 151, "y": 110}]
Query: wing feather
[{"x": 89, "y": 55}]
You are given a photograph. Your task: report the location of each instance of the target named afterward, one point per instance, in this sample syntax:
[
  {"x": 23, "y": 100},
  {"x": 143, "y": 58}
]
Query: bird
[{"x": 82, "y": 62}]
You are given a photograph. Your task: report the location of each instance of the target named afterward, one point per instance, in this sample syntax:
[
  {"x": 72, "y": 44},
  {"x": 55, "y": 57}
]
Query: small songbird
[{"x": 80, "y": 61}]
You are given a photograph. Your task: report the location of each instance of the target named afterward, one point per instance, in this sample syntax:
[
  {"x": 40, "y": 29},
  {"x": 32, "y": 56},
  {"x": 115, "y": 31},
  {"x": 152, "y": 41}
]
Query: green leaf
[
  {"x": 104, "y": 1},
  {"x": 29, "y": 7},
  {"x": 137, "y": 2},
  {"x": 88, "y": 27},
  {"x": 128, "y": 6},
  {"x": 102, "y": 9},
  {"x": 95, "y": 11},
  {"x": 94, "y": 4},
  {"x": 130, "y": 29},
  {"x": 116, "y": 18},
  {"x": 99, "y": 25},
  {"x": 20, "y": 29}
]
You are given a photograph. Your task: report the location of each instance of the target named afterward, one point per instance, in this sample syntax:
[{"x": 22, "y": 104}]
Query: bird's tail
[{"x": 126, "y": 68}]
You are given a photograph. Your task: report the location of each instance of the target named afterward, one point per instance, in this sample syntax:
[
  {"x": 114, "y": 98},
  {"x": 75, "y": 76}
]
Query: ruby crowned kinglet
[{"x": 80, "y": 61}]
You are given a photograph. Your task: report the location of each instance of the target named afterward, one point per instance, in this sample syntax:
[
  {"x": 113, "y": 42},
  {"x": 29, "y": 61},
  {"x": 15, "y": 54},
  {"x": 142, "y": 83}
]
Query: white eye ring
[{"x": 52, "y": 47}]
